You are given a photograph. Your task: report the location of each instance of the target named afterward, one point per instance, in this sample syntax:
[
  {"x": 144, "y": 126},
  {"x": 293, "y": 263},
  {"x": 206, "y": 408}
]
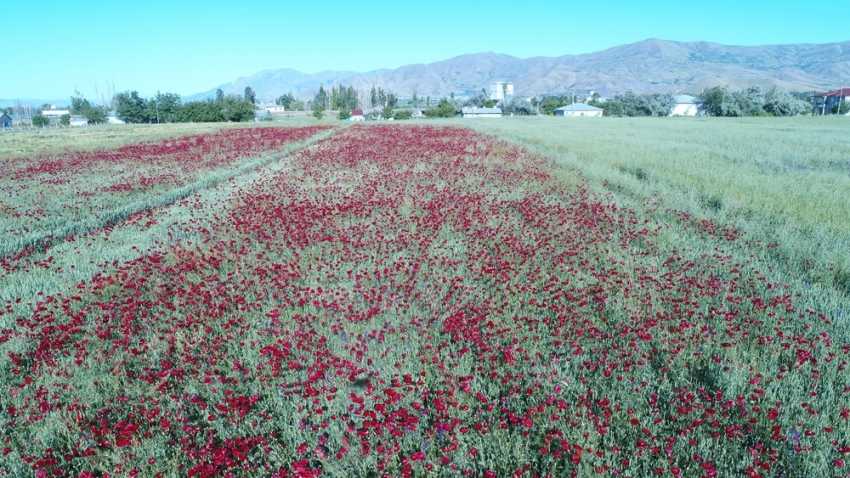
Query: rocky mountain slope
[{"x": 647, "y": 66}]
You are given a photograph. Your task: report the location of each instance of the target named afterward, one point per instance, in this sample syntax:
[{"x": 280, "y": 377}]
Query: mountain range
[{"x": 648, "y": 66}]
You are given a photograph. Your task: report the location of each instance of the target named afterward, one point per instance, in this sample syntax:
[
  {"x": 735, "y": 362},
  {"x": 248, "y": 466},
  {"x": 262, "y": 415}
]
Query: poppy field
[{"x": 419, "y": 301}]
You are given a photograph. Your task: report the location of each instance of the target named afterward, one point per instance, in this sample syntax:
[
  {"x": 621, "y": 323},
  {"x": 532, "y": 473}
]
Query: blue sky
[{"x": 192, "y": 46}]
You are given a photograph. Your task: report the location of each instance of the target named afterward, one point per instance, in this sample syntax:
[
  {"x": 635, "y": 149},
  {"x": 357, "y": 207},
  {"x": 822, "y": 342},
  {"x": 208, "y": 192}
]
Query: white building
[
  {"x": 578, "y": 109},
  {"x": 481, "y": 112},
  {"x": 501, "y": 91},
  {"x": 79, "y": 121},
  {"x": 54, "y": 113},
  {"x": 357, "y": 115},
  {"x": 112, "y": 118},
  {"x": 275, "y": 109},
  {"x": 686, "y": 105}
]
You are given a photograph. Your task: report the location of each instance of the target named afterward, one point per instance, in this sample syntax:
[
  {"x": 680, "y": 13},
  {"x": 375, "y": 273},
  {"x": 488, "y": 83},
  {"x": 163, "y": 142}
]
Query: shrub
[
  {"x": 403, "y": 115},
  {"x": 40, "y": 120},
  {"x": 443, "y": 110}
]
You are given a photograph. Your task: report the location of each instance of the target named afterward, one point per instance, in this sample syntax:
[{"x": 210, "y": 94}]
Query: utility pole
[{"x": 156, "y": 105}]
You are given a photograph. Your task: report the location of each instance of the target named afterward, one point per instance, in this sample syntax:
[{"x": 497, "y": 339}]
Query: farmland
[{"x": 401, "y": 300}]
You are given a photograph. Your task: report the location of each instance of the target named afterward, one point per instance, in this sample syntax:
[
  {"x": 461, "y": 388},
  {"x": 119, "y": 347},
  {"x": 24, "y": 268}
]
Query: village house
[
  {"x": 481, "y": 112},
  {"x": 5, "y": 121},
  {"x": 578, "y": 109},
  {"x": 275, "y": 109},
  {"x": 357, "y": 115},
  {"x": 686, "y": 105},
  {"x": 825, "y": 102}
]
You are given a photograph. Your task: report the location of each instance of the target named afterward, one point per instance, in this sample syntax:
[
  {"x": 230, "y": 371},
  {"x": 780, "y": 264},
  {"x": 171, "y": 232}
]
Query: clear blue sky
[{"x": 191, "y": 46}]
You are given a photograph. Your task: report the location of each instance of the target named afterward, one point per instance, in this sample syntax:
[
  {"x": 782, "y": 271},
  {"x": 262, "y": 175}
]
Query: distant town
[{"x": 347, "y": 103}]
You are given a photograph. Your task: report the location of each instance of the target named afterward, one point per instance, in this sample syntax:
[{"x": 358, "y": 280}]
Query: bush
[
  {"x": 443, "y": 110},
  {"x": 403, "y": 115},
  {"x": 520, "y": 108},
  {"x": 318, "y": 111},
  {"x": 344, "y": 113},
  {"x": 65, "y": 120},
  {"x": 40, "y": 120}
]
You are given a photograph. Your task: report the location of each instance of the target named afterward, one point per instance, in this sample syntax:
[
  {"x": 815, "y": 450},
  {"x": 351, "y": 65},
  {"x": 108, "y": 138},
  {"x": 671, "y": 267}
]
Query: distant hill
[{"x": 648, "y": 66}]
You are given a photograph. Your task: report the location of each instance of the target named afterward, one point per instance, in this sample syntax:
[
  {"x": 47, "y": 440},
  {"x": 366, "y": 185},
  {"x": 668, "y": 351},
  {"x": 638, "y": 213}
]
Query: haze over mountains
[{"x": 648, "y": 66}]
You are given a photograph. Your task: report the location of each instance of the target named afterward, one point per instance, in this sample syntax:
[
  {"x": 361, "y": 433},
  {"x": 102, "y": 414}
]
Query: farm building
[
  {"x": 828, "y": 103},
  {"x": 686, "y": 105},
  {"x": 54, "y": 113},
  {"x": 481, "y": 112},
  {"x": 5, "y": 121},
  {"x": 502, "y": 91},
  {"x": 578, "y": 109},
  {"x": 275, "y": 109},
  {"x": 357, "y": 115}
]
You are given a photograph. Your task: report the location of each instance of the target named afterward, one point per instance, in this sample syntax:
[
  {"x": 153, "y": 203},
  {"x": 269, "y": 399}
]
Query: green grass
[
  {"x": 779, "y": 180},
  {"x": 29, "y": 142}
]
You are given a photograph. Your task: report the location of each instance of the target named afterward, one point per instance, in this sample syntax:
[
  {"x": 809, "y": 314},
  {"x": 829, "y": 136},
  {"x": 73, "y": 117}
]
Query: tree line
[
  {"x": 169, "y": 108},
  {"x": 130, "y": 107},
  {"x": 752, "y": 101}
]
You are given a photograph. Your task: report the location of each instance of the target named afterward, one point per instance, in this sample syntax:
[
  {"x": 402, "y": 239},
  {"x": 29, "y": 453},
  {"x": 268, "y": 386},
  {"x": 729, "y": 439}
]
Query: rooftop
[
  {"x": 841, "y": 92},
  {"x": 481, "y": 111},
  {"x": 578, "y": 107}
]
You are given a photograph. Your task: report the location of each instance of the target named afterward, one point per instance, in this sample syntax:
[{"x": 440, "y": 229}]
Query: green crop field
[
  {"x": 499, "y": 297},
  {"x": 780, "y": 180}
]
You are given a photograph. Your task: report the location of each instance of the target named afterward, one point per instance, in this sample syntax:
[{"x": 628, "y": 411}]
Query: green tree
[
  {"x": 250, "y": 95},
  {"x": 318, "y": 110},
  {"x": 77, "y": 103},
  {"x": 782, "y": 103},
  {"x": 207, "y": 111},
  {"x": 344, "y": 113},
  {"x": 9, "y": 110},
  {"x": 321, "y": 98},
  {"x": 552, "y": 102},
  {"x": 414, "y": 99},
  {"x": 750, "y": 102},
  {"x": 131, "y": 108},
  {"x": 219, "y": 95},
  {"x": 237, "y": 109},
  {"x": 403, "y": 115},
  {"x": 520, "y": 108},
  {"x": 94, "y": 114},
  {"x": 713, "y": 101},
  {"x": 387, "y": 112},
  {"x": 444, "y": 109},
  {"x": 169, "y": 104},
  {"x": 40, "y": 120},
  {"x": 65, "y": 120},
  {"x": 285, "y": 100}
]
